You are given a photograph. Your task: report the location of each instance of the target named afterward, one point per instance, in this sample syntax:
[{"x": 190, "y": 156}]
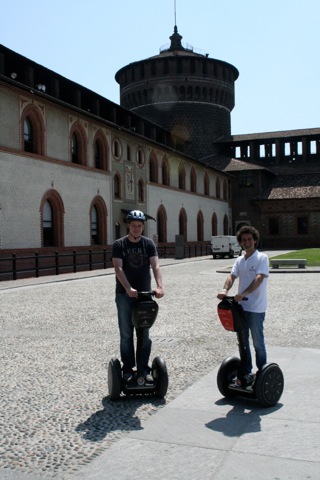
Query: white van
[{"x": 225, "y": 246}]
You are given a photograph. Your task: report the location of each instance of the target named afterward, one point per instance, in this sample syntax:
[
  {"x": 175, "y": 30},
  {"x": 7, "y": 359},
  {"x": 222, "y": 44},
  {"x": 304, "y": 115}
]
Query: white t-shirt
[{"x": 247, "y": 270}]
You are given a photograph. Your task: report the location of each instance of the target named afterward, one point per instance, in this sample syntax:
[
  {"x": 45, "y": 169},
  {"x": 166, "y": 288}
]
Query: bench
[{"x": 288, "y": 262}]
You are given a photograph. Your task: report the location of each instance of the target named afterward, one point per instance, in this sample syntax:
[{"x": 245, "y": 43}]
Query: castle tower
[{"x": 185, "y": 92}]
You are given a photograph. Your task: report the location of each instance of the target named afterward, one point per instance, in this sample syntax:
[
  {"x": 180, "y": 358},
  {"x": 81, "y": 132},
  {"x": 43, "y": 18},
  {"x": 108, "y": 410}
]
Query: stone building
[
  {"x": 188, "y": 93},
  {"x": 276, "y": 181},
  {"x": 275, "y": 175},
  {"x": 72, "y": 163}
]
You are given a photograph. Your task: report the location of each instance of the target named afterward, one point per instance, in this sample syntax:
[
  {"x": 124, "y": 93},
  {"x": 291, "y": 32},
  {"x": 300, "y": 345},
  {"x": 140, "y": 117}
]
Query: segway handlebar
[
  {"x": 231, "y": 297},
  {"x": 149, "y": 294}
]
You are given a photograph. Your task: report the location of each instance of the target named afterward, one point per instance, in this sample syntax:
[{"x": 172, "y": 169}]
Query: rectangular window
[
  {"x": 302, "y": 225},
  {"x": 246, "y": 179},
  {"x": 268, "y": 150},
  {"x": 299, "y": 148},
  {"x": 313, "y": 146},
  {"x": 245, "y": 151},
  {"x": 274, "y": 226},
  {"x": 287, "y": 149}
]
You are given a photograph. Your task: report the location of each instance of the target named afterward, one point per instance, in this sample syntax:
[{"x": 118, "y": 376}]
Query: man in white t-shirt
[{"x": 252, "y": 270}]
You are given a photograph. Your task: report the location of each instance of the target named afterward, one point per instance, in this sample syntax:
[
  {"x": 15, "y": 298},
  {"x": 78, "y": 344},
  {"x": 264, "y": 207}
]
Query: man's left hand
[{"x": 158, "y": 292}]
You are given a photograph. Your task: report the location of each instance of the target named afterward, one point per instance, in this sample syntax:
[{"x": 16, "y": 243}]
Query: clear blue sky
[{"x": 273, "y": 43}]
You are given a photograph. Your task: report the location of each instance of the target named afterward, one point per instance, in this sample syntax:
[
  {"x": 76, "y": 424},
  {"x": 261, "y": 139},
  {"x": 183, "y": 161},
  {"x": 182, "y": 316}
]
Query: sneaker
[
  {"x": 128, "y": 378},
  {"x": 149, "y": 378},
  {"x": 250, "y": 378}
]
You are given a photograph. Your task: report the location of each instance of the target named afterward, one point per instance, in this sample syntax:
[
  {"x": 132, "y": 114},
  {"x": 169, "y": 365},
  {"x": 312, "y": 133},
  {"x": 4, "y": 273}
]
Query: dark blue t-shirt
[{"x": 136, "y": 262}]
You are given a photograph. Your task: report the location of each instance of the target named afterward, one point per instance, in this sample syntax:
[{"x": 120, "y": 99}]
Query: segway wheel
[
  {"x": 269, "y": 385},
  {"x": 160, "y": 376},
  {"x": 227, "y": 372},
  {"x": 114, "y": 379}
]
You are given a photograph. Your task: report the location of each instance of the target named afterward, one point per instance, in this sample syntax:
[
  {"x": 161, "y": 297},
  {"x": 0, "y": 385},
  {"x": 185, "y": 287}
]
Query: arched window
[
  {"x": 28, "y": 135},
  {"x": 75, "y": 149},
  {"x": 117, "y": 230},
  {"x": 128, "y": 153},
  {"x": 52, "y": 217},
  {"x": 165, "y": 172},
  {"x": 153, "y": 169},
  {"x": 225, "y": 225},
  {"x": 117, "y": 149},
  {"x": 193, "y": 180},
  {"x": 182, "y": 177},
  {"x": 162, "y": 224},
  {"x": 140, "y": 157},
  {"x": 48, "y": 230},
  {"x": 182, "y": 93},
  {"x": 94, "y": 226},
  {"x": 225, "y": 189},
  {"x": 200, "y": 223},
  {"x": 217, "y": 187},
  {"x": 206, "y": 183},
  {"x": 33, "y": 131},
  {"x": 78, "y": 144},
  {"x": 183, "y": 223},
  {"x": 141, "y": 191},
  {"x": 98, "y": 219},
  {"x": 204, "y": 94},
  {"x": 97, "y": 154},
  {"x": 100, "y": 150},
  {"x": 117, "y": 186},
  {"x": 214, "y": 225}
]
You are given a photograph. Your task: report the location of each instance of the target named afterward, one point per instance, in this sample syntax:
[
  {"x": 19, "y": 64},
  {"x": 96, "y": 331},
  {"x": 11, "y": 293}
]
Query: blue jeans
[
  {"x": 254, "y": 324},
  {"x": 127, "y": 351}
]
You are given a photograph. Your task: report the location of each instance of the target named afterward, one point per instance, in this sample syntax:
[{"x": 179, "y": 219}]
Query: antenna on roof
[{"x": 175, "y": 13}]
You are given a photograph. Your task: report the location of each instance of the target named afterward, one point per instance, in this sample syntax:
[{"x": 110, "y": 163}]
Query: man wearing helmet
[{"x": 132, "y": 257}]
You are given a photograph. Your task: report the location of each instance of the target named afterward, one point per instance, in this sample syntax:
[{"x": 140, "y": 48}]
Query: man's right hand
[
  {"x": 131, "y": 292},
  {"x": 222, "y": 294}
]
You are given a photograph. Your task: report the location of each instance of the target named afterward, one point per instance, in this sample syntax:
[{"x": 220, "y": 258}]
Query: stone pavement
[
  {"x": 197, "y": 435},
  {"x": 202, "y": 436}
]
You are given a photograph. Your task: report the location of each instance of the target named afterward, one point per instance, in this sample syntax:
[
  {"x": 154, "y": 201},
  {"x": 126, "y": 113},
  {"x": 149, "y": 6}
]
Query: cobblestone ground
[{"x": 57, "y": 339}]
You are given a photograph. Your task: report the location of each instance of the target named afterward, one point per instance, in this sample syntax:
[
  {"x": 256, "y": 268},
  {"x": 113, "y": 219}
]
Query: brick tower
[{"x": 185, "y": 92}]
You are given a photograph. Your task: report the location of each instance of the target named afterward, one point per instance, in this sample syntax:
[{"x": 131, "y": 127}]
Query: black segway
[
  {"x": 144, "y": 314},
  {"x": 267, "y": 385}
]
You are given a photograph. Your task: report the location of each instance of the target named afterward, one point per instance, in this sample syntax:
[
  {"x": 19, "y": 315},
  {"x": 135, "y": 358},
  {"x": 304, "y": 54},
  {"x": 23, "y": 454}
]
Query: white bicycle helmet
[{"x": 136, "y": 215}]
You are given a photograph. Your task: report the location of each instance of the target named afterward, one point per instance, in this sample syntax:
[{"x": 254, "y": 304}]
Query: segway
[
  {"x": 267, "y": 385},
  {"x": 144, "y": 314}
]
